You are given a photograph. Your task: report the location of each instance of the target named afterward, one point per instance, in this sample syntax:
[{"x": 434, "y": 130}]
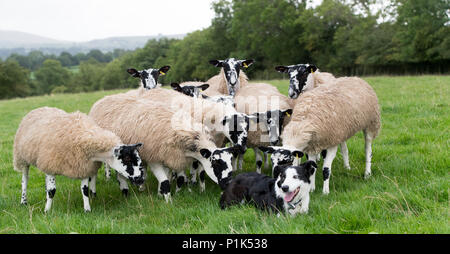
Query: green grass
[{"x": 407, "y": 193}]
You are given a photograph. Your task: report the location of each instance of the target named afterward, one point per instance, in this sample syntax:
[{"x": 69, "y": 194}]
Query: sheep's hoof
[
  {"x": 326, "y": 191},
  {"x": 125, "y": 192},
  {"x": 87, "y": 210},
  {"x": 367, "y": 175},
  {"x": 23, "y": 202},
  {"x": 142, "y": 188},
  {"x": 92, "y": 194}
]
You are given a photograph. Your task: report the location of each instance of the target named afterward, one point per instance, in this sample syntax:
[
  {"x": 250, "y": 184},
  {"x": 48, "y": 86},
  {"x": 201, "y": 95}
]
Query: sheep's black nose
[{"x": 285, "y": 188}]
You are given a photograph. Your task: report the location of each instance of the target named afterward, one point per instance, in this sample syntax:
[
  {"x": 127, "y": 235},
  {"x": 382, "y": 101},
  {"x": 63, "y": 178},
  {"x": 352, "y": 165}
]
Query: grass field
[{"x": 407, "y": 193}]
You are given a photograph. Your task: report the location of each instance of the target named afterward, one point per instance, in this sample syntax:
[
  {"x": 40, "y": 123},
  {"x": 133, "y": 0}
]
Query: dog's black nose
[{"x": 285, "y": 188}]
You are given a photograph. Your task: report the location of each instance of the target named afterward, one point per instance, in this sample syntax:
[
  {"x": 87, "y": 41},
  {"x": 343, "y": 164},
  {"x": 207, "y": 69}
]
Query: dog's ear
[{"x": 310, "y": 167}]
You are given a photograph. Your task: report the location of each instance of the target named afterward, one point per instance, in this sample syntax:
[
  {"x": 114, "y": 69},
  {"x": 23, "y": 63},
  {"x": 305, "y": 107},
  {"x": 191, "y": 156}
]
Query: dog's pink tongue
[{"x": 289, "y": 196}]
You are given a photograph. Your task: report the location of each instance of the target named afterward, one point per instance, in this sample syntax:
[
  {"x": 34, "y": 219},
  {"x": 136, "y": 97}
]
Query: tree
[
  {"x": 14, "y": 80},
  {"x": 51, "y": 75}
]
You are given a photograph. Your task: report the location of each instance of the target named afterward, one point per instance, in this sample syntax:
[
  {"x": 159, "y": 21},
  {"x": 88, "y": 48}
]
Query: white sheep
[
  {"x": 305, "y": 77},
  {"x": 230, "y": 78},
  {"x": 169, "y": 142},
  {"x": 327, "y": 116},
  {"x": 73, "y": 145}
]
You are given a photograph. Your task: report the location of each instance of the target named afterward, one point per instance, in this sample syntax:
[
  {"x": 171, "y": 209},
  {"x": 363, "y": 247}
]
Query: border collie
[{"x": 288, "y": 191}]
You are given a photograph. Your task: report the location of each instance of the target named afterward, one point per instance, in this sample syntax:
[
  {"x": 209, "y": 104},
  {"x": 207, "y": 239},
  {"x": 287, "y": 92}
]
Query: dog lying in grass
[{"x": 287, "y": 191}]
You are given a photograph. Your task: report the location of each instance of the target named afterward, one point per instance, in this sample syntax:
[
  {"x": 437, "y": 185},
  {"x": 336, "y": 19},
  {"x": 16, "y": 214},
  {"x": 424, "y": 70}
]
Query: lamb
[
  {"x": 230, "y": 79},
  {"x": 272, "y": 110},
  {"x": 148, "y": 80},
  {"x": 305, "y": 77},
  {"x": 171, "y": 144},
  {"x": 327, "y": 116},
  {"x": 73, "y": 145}
]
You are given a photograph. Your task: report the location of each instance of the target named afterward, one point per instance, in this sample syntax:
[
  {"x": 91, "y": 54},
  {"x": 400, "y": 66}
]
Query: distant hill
[{"x": 22, "y": 43}]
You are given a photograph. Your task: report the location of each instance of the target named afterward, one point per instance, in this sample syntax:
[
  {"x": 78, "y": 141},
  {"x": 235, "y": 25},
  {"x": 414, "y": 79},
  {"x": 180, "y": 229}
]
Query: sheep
[
  {"x": 193, "y": 89},
  {"x": 170, "y": 144},
  {"x": 223, "y": 121},
  {"x": 230, "y": 79},
  {"x": 305, "y": 77},
  {"x": 148, "y": 80},
  {"x": 327, "y": 116},
  {"x": 73, "y": 145},
  {"x": 272, "y": 110}
]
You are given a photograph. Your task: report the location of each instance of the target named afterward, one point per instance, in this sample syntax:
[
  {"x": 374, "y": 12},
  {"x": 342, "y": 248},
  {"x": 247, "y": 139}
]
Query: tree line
[{"x": 345, "y": 37}]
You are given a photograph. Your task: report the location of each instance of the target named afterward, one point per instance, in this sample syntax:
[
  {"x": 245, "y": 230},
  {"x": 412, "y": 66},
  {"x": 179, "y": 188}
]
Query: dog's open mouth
[{"x": 291, "y": 195}]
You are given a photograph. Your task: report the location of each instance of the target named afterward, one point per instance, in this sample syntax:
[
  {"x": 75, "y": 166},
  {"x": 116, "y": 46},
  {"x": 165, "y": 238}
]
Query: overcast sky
[{"x": 83, "y": 20}]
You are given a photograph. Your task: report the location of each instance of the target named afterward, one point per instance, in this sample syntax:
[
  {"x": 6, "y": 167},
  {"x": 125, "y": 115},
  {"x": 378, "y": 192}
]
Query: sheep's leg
[
  {"x": 312, "y": 178},
  {"x": 241, "y": 161},
  {"x": 258, "y": 159},
  {"x": 328, "y": 160},
  {"x": 50, "y": 188},
  {"x": 193, "y": 172},
  {"x": 181, "y": 179},
  {"x": 123, "y": 185},
  {"x": 142, "y": 186},
  {"x": 344, "y": 152},
  {"x": 234, "y": 162},
  {"x": 202, "y": 174},
  {"x": 107, "y": 171},
  {"x": 23, "y": 199},
  {"x": 266, "y": 161},
  {"x": 368, "y": 146},
  {"x": 161, "y": 173},
  {"x": 92, "y": 186},
  {"x": 85, "y": 193}
]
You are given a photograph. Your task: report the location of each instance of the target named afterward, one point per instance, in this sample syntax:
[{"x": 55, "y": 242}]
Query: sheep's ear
[
  {"x": 297, "y": 154},
  {"x": 176, "y": 87},
  {"x": 283, "y": 69},
  {"x": 205, "y": 153},
  {"x": 133, "y": 72},
  {"x": 287, "y": 112},
  {"x": 203, "y": 87},
  {"x": 136, "y": 146},
  {"x": 266, "y": 149},
  {"x": 247, "y": 63},
  {"x": 217, "y": 63},
  {"x": 163, "y": 70},
  {"x": 310, "y": 167},
  {"x": 311, "y": 68}
]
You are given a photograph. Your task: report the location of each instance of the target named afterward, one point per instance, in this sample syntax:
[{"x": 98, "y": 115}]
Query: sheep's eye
[{"x": 295, "y": 177}]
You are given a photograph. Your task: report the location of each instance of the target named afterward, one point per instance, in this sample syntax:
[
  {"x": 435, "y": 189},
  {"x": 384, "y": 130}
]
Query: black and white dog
[{"x": 288, "y": 191}]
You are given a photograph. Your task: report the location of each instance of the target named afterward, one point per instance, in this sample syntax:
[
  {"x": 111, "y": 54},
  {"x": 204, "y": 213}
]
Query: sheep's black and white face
[
  {"x": 273, "y": 120},
  {"x": 127, "y": 162},
  {"x": 231, "y": 68},
  {"x": 299, "y": 76},
  {"x": 281, "y": 156},
  {"x": 149, "y": 77},
  {"x": 192, "y": 91},
  {"x": 293, "y": 182},
  {"x": 235, "y": 128},
  {"x": 220, "y": 160}
]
